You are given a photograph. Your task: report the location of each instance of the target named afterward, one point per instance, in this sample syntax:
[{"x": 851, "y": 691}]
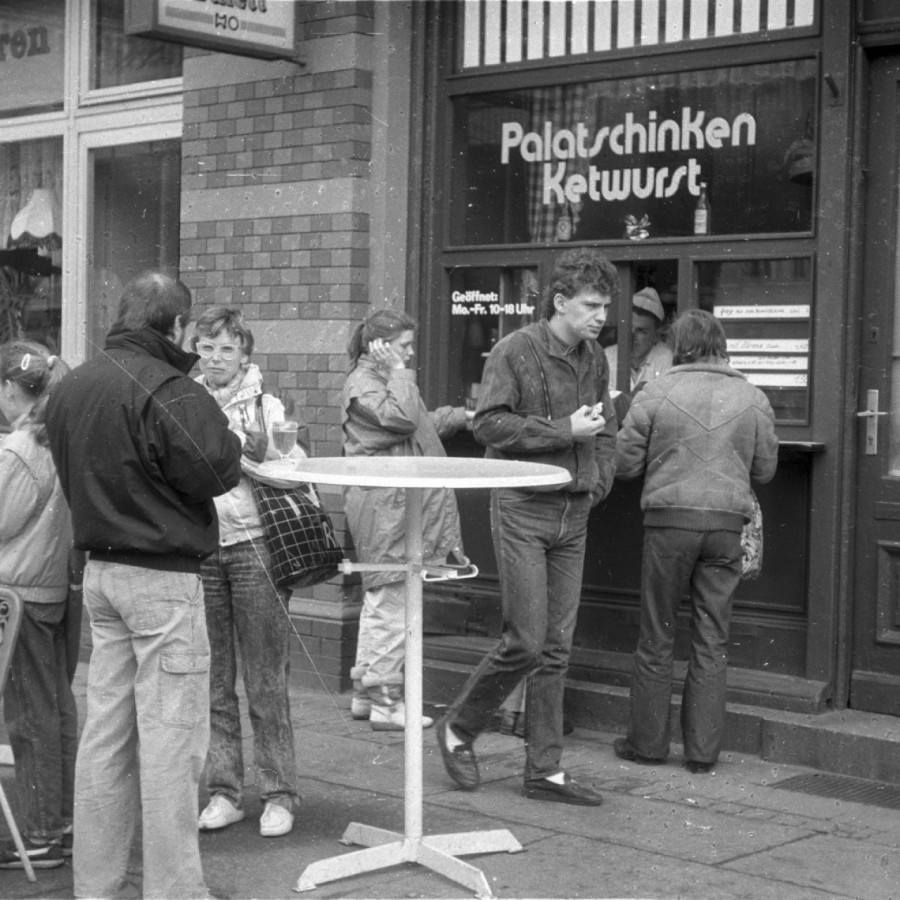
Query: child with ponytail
[{"x": 35, "y": 545}]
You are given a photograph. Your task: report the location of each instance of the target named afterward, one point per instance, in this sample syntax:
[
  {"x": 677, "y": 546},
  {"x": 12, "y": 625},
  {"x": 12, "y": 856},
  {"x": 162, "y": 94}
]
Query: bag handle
[{"x": 259, "y": 413}]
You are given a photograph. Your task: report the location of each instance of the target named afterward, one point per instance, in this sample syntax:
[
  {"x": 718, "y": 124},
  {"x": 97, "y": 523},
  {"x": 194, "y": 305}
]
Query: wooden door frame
[{"x": 849, "y": 586}]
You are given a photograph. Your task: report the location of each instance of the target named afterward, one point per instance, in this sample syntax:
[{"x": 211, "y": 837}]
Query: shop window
[
  {"x": 496, "y": 32},
  {"x": 32, "y": 61},
  {"x": 121, "y": 59},
  {"x": 628, "y": 159},
  {"x": 31, "y": 226},
  {"x": 135, "y": 214},
  {"x": 640, "y": 332},
  {"x": 765, "y": 307},
  {"x": 486, "y": 304}
]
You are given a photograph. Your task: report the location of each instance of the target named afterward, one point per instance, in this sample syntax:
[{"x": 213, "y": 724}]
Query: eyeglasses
[{"x": 228, "y": 352}]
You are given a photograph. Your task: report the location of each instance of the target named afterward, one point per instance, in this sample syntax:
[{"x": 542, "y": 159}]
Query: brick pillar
[{"x": 276, "y": 220}]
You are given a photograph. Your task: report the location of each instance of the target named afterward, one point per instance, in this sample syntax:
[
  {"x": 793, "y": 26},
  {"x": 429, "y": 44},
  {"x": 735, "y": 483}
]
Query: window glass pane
[
  {"x": 765, "y": 307},
  {"x": 31, "y": 226},
  {"x": 136, "y": 211},
  {"x": 644, "y": 335},
  {"x": 894, "y": 418},
  {"x": 493, "y": 31},
  {"x": 124, "y": 59},
  {"x": 893, "y": 404},
  {"x": 31, "y": 55},
  {"x": 626, "y": 159},
  {"x": 485, "y": 304}
]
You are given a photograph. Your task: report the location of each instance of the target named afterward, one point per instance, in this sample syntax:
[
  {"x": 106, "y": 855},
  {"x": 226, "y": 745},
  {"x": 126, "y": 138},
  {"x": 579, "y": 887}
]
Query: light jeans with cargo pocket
[{"x": 146, "y": 734}]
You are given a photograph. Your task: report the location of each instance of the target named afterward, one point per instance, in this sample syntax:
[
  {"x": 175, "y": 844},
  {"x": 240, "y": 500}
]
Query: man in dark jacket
[
  {"x": 141, "y": 450},
  {"x": 543, "y": 399}
]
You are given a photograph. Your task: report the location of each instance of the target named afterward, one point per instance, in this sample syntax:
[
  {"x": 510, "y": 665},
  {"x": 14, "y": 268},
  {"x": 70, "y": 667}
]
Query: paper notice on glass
[
  {"x": 783, "y": 311},
  {"x": 778, "y": 379},
  {"x": 795, "y": 363},
  {"x": 767, "y": 345}
]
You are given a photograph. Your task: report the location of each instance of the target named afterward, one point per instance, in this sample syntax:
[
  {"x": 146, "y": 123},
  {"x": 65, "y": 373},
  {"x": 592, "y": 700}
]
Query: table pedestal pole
[{"x": 389, "y": 848}]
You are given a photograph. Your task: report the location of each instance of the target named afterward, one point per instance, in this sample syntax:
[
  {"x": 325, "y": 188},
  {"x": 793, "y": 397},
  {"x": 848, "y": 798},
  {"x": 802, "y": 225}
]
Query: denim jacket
[{"x": 532, "y": 384}]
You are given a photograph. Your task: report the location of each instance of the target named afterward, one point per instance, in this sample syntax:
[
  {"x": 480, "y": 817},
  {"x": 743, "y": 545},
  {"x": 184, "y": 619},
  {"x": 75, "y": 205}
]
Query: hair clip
[
  {"x": 26, "y": 361},
  {"x": 51, "y": 360}
]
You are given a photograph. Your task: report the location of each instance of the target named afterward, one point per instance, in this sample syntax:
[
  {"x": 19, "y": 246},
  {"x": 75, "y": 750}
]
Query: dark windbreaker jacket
[{"x": 141, "y": 450}]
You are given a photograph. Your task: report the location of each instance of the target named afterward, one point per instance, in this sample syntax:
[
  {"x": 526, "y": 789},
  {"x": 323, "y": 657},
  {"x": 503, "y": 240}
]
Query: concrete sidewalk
[{"x": 661, "y": 833}]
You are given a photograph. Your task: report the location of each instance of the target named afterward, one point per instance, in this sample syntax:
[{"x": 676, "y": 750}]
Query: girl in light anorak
[{"x": 35, "y": 550}]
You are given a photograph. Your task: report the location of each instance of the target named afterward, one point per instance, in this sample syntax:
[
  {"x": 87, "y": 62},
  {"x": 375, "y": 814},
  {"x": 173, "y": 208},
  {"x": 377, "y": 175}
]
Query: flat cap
[{"x": 647, "y": 300}]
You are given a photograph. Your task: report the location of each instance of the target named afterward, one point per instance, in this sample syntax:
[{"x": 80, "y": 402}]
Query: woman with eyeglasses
[{"x": 244, "y": 609}]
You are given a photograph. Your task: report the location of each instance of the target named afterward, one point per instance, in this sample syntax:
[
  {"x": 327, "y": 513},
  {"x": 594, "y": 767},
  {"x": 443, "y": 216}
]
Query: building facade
[{"x": 437, "y": 156}]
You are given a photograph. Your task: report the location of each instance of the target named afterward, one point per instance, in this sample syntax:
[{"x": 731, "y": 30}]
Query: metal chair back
[
  {"x": 11, "y": 609},
  {"x": 10, "y": 621}
]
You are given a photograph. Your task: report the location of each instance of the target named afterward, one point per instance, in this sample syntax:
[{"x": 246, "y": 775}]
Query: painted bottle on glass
[{"x": 702, "y": 212}]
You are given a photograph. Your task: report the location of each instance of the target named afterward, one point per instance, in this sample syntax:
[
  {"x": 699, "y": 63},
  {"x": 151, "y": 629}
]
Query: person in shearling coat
[{"x": 697, "y": 434}]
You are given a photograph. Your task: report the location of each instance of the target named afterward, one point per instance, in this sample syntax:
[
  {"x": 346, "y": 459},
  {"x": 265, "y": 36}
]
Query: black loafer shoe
[
  {"x": 570, "y": 791},
  {"x": 460, "y": 762},
  {"x": 698, "y": 768},
  {"x": 623, "y": 751}
]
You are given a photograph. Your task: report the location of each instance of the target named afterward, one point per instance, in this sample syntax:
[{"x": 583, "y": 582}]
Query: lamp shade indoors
[{"x": 38, "y": 223}]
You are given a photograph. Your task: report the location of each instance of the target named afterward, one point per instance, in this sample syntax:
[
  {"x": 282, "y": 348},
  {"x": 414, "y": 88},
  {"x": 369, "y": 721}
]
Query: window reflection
[
  {"x": 765, "y": 307},
  {"x": 486, "y": 304},
  {"x": 625, "y": 159},
  {"x": 31, "y": 226},
  {"x": 136, "y": 210},
  {"x": 121, "y": 59},
  {"x": 31, "y": 55},
  {"x": 661, "y": 276}
]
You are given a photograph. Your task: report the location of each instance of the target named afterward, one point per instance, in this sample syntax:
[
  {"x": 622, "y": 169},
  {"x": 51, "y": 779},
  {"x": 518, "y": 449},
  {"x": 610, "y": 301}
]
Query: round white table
[{"x": 414, "y": 474}]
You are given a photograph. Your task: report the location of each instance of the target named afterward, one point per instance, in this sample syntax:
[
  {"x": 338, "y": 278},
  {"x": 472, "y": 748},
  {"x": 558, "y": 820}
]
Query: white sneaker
[
  {"x": 219, "y": 812},
  {"x": 360, "y": 704},
  {"x": 275, "y": 821},
  {"x": 360, "y": 708},
  {"x": 393, "y": 718}
]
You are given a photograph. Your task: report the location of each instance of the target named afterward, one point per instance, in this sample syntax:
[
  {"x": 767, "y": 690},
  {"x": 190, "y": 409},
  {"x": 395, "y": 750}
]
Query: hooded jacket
[
  {"x": 698, "y": 434},
  {"x": 141, "y": 450},
  {"x": 382, "y": 414}
]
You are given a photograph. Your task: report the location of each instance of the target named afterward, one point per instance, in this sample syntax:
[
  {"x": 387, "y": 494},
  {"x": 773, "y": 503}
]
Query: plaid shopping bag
[{"x": 298, "y": 533}]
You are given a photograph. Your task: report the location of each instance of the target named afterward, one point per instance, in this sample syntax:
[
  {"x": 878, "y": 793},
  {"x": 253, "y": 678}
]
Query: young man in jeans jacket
[{"x": 543, "y": 399}]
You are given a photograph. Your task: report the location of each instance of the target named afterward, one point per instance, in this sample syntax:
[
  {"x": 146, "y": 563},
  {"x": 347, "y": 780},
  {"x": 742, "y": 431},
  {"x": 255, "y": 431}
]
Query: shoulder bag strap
[{"x": 259, "y": 413}]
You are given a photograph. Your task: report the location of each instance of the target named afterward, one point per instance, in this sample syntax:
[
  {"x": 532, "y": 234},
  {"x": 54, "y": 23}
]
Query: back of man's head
[{"x": 153, "y": 300}]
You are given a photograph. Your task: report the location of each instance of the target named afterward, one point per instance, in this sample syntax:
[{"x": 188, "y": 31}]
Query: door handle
[{"x": 871, "y": 414}]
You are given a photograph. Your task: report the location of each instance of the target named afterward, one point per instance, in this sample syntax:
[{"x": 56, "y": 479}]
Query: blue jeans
[
  {"x": 42, "y": 720},
  {"x": 146, "y": 734},
  {"x": 245, "y": 612},
  {"x": 707, "y": 565},
  {"x": 539, "y": 541}
]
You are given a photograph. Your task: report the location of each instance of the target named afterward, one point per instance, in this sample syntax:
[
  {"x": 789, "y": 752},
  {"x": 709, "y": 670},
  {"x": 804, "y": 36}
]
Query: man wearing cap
[{"x": 650, "y": 357}]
